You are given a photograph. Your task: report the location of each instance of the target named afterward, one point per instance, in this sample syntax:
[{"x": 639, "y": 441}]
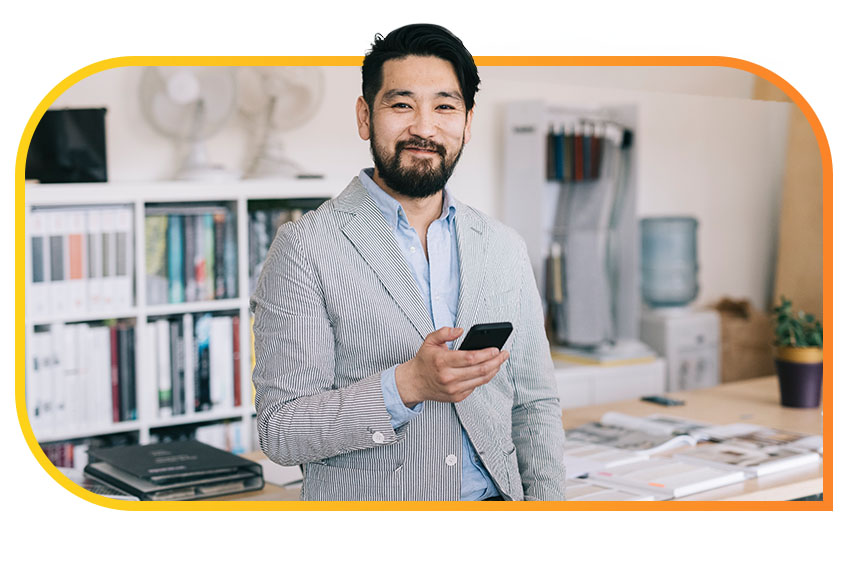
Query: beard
[{"x": 423, "y": 178}]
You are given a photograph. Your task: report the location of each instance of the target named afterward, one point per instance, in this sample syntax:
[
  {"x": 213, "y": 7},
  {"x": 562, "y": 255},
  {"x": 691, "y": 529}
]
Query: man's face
[{"x": 418, "y": 125}]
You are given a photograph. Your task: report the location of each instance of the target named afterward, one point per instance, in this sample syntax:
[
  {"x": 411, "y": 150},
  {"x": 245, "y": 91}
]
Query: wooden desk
[{"x": 754, "y": 401}]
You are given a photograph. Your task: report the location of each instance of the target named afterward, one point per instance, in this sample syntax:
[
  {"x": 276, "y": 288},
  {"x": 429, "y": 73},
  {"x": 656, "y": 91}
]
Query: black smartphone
[
  {"x": 665, "y": 401},
  {"x": 489, "y": 335}
]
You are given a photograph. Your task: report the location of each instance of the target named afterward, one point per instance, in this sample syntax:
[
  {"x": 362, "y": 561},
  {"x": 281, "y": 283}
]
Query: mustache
[{"x": 421, "y": 143}]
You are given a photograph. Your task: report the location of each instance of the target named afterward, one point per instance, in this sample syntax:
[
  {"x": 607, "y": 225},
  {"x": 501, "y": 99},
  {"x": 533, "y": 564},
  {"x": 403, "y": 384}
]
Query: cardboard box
[{"x": 746, "y": 341}]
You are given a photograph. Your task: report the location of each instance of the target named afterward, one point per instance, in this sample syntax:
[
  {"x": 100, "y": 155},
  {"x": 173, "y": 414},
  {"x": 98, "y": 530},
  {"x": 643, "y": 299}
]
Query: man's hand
[{"x": 437, "y": 373}]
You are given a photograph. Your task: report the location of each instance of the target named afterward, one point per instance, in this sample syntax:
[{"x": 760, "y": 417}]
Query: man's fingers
[{"x": 475, "y": 371}]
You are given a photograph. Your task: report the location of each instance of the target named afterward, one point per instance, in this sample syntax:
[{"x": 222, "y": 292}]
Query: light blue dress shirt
[{"x": 438, "y": 281}]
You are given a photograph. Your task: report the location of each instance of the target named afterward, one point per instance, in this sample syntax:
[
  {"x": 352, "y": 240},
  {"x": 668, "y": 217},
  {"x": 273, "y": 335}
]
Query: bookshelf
[{"x": 239, "y": 197}]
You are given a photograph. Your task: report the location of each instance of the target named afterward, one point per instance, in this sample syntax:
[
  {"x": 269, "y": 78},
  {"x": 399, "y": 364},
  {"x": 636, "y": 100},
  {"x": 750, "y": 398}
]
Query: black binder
[{"x": 174, "y": 471}]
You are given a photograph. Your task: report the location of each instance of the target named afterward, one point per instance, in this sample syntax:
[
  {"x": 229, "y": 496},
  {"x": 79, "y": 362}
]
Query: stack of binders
[{"x": 174, "y": 471}]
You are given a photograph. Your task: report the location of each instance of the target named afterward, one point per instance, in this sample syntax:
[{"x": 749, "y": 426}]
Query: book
[
  {"x": 76, "y": 284},
  {"x": 617, "y": 430},
  {"x": 177, "y": 366},
  {"x": 202, "y": 376},
  {"x": 754, "y": 462},
  {"x": 585, "y": 490},
  {"x": 236, "y": 362},
  {"x": 174, "y": 471},
  {"x": 163, "y": 368},
  {"x": 156, "y": 259},
  {"x": 96, "y": 486},
  {"x": 94, "y": 239},
  {"x": 580, "y": 458},
  {"x": 666, "y": 478},
  {"x": 176, "y": 276},
  {"x": 38, "y": 294},
  {"x": 123, "y": 257}
]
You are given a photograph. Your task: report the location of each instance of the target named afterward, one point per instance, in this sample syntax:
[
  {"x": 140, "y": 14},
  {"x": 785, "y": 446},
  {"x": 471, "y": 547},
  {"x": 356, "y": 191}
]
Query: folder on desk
[{"x": 174, "y": 471}]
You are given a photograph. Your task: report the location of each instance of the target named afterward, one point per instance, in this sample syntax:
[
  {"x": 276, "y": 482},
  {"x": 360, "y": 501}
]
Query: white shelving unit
[{"x": 139, "y": 195}]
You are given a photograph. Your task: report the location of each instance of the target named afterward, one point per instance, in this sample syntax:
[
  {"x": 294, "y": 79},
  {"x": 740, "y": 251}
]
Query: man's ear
[
  {"x": 363, "y": 118},
  {"x": 468, "y": 118}
]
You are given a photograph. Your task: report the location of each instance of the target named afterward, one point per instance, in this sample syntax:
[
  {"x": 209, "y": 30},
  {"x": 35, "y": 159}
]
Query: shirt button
[
  {"x": 378, "y": 437},
  {"x": 450, "y": 460}
]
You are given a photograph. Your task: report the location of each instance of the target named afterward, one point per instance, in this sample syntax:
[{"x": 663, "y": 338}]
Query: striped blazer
[{"x": 336, "y": 304}]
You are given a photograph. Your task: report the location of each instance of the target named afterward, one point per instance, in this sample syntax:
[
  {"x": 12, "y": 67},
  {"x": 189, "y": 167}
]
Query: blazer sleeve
[
  {"x": 301, "y": 416},
  {"x": 537, "y": 429}
]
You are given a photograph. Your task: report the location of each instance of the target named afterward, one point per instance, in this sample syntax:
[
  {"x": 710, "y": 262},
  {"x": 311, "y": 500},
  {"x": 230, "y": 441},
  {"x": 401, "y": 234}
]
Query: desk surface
[{"x": 755, "y": 401}]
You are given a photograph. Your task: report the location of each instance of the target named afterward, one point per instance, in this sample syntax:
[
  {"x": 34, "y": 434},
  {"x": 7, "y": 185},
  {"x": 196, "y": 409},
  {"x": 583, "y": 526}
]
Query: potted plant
[{"x": 799, "y": 356}]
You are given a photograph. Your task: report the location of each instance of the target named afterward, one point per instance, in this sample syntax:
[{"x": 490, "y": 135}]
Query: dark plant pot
[{"x": 800, "y": 383}]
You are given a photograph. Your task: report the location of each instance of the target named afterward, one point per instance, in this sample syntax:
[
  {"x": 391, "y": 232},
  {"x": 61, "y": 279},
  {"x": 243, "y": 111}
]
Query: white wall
[{"x": 704, "y": 148}]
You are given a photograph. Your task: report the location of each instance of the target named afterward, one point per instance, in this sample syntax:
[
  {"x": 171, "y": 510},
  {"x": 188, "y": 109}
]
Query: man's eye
[
  {"x": 401, "y": 105},
  {"x": 445, "y": 107}
]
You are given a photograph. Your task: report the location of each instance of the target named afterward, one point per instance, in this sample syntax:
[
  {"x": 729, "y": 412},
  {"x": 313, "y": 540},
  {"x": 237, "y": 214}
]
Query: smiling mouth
[{"x": 421, "y": 152}]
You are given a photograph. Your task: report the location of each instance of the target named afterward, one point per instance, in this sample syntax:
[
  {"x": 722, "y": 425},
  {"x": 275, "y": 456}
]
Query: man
[{"x": 361, "y": 304}]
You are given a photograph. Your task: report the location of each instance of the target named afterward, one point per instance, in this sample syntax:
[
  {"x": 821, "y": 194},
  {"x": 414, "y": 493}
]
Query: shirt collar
[{"x": 392, "y": 210}]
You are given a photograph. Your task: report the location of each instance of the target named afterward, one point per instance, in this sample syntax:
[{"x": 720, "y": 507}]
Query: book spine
[
  {"x": 202, "y": 380},
  {"x": 163, "y": 368},
  {"x": 132, "y": 413},
  {"x": 176, "y": 278},
  {"x": 230, "y": 257},
  {"x": 219, "y": 222},
  {"x": 221, "y": 361},
  {"x": 124, "y": 257},
  {"x": 108, "y": 241},
  {"x": 76, "y": 262},
  {"x": 58, "y": 263},
  {"x": 94, "y": 238},
  {"x": 38, "y": 300},
  {"x": 236, "y": 362},
  {"x": 123, "y": 373},
  {"x": 578, "y": 153},
  {"x": 189, "y": 243},
  {"x": 173, "y": 368},
  {"x": 189, "y": 373},
  {"x": 209, "y": 256},
  {"x": 156, "y": 259},
  {"x": 116, "y": 392},
  {"x": 177, "y": 367},
  {"x": 200, "y": 267}
]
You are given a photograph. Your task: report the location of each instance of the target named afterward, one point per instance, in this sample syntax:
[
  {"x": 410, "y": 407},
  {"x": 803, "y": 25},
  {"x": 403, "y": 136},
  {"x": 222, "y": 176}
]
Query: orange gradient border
[{"x": 665, "y": 61}]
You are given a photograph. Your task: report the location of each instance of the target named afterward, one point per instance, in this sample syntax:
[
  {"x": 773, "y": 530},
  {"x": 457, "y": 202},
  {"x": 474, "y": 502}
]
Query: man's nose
[{"x": 424, "y": 124}]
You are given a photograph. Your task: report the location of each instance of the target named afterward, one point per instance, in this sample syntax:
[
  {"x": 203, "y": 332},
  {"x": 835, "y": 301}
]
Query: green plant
[{"x": 800, "y": 330}]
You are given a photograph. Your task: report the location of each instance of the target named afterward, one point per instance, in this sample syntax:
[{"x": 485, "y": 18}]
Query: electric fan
[{"x": 190, "y": 105}]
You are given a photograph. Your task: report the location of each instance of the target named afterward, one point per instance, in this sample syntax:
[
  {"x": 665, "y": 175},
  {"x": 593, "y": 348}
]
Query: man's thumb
[{"x": 444, "y": 334}]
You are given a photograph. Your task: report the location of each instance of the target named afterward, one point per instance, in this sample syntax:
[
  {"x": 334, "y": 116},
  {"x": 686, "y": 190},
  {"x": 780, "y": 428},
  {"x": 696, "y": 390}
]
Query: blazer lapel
[
  {"x": 472, "y": 240},
  {"x": 367, "y": 230}
]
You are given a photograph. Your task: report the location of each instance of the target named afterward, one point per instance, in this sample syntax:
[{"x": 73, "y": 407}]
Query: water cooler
[{"x": 688, "y": 338}]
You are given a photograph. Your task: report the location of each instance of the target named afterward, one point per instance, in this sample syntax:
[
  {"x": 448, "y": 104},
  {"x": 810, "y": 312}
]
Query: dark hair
[{"x": 421, "y": 40}]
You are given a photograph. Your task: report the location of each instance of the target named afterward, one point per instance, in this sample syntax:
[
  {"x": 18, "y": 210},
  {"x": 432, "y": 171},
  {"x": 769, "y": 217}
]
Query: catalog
[
  {"x": 667, "y": 478},
  {"x": 585, "y": 490},
  {"x": 751, "y": 460},
  {"x": 641, "y": 435},
  {"x": 581, "y": 458}
]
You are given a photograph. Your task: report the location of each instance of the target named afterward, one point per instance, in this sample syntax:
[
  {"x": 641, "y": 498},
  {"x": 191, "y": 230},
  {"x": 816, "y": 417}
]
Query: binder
[{"x": 174, "y": 471}]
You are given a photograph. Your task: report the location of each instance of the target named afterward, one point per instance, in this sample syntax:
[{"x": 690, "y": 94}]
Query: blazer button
[
  {"x": 378, "y": 437},
  {"x": 450, "y": 460}
]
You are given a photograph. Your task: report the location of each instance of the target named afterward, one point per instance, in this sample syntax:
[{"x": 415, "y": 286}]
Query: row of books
[
  {"x": 575, "y": 152},
  {"x": 195, "y": 363},
  {"x": 81, "y": 260},
  {"x": 661, "y": 457},
  {"x": 74, "y": 454},
  {"x": 82, "y": 376},
  {"x": 265, "y": 218},
  {"x": 191, "y": 254}
]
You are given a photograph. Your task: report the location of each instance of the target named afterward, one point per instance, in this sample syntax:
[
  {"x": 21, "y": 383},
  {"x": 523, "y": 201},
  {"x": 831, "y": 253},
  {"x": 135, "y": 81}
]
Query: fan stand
[
  {"x": 196, "y": 167},
  {"x": 270, "y": 161}
]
